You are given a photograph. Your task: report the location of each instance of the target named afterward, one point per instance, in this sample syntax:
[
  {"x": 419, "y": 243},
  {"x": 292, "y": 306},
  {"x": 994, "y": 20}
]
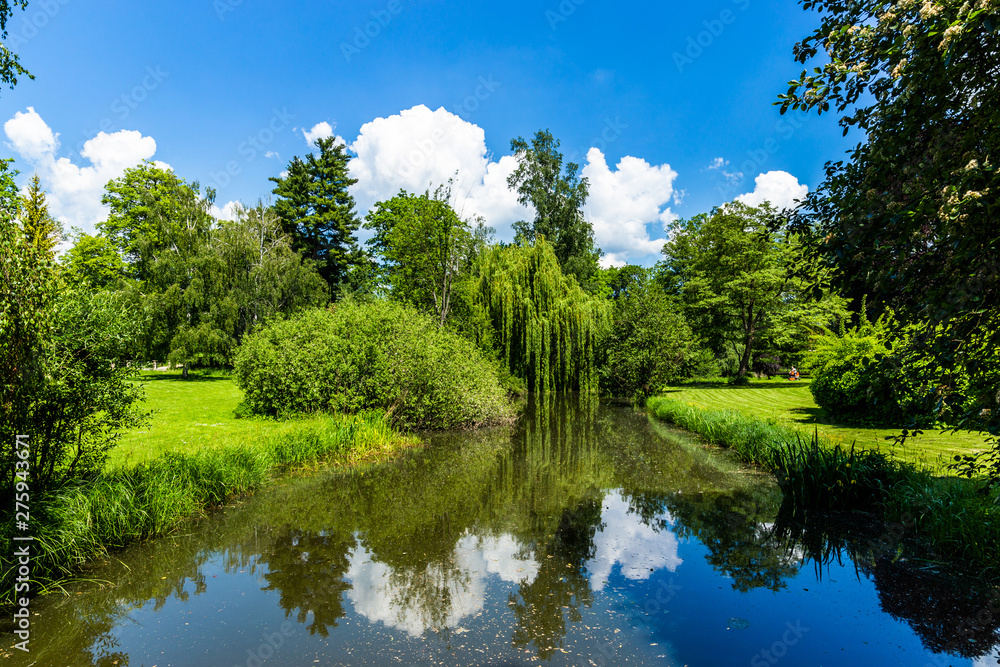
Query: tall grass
[
  {"x": 954, "y": 519},
  {"x": 86, "y": 519}
]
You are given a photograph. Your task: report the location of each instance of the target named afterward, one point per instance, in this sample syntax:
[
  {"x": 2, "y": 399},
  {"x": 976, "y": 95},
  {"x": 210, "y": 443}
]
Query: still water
[{"x": 586, "y": 534}]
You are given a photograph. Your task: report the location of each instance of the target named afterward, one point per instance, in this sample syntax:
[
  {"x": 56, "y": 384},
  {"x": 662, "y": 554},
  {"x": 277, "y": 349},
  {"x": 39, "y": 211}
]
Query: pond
[{"x": 586, "y": 534}]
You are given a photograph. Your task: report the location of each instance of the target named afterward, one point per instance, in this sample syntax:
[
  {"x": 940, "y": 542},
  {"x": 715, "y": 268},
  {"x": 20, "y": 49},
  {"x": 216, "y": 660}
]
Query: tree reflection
[{"x": 308, "y": 570}]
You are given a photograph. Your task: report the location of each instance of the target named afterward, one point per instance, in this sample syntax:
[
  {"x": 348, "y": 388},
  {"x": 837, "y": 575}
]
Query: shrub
[{"x": 378, "y": 355}]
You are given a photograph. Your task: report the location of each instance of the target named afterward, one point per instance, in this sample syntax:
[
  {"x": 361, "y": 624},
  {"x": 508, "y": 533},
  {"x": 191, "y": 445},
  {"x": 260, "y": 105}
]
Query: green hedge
[{"x": 380, "y": 355}]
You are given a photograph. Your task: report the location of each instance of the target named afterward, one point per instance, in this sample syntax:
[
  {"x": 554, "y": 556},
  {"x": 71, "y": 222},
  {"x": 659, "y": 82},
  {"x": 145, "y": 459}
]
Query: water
[{"x": 584, "y": 535}]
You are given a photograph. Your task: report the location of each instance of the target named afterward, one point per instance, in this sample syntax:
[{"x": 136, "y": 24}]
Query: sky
[{"x": 667, "y": 107}]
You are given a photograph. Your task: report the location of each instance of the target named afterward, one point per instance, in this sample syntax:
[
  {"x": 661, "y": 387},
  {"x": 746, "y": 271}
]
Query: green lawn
[
  {"x": 188, "y": 415},
  {"x": 792, "y": 403}
]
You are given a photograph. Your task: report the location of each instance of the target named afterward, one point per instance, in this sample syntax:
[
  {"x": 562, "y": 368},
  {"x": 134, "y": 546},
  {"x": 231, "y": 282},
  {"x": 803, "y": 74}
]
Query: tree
[
  {"x": 39, "y": 226},
  {"x": 546, "y": 327},
  {"x": 10, "y": 65},
  {"x": 649, "y": 343},
  {"x": 740, "y": 282},
  {"x": 243, "y": 275},
  {"x": 317, "y": 209},
  {"x": 93, "y": 261},
  {"x": 910, "y": 217},
  {"x": 558, "y": 200},
  {"x": 156, "y": 220},
  {"x": 426, "y": 248}
]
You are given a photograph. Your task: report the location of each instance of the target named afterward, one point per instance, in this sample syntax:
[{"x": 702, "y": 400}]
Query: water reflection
[{"x": 546, "y": 540}]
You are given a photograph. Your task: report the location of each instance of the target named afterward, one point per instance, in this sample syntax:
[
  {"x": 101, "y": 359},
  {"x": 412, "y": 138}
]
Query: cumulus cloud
[
  {"x": 778, "y": 187},
  {"x": 227, "y": 212},
  {"x": 419, "y": 149},
  {"x": 74, "y": 192},
  {"x": 319, "y": 131},
  {"x": 631, "y": 544},
  {"x": 624, "y": 201}
]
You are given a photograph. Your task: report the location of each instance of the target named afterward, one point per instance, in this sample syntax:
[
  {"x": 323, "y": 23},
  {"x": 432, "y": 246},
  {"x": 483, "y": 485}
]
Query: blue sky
[{"x": 225, "y": 91}]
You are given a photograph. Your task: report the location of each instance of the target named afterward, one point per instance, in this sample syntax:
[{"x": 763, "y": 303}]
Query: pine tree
[
  {"x": 317, "y": 210},
  {"x": 41, "y": 229}
]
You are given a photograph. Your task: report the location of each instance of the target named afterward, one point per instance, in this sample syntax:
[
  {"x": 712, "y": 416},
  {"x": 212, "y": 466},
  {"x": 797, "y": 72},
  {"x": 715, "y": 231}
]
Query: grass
[
  {"x": 188, "y": 416},
  {"x": 195, "y": 454},
  {"x": 791, "y": 404},
  {"x": 953, "y": 519}
]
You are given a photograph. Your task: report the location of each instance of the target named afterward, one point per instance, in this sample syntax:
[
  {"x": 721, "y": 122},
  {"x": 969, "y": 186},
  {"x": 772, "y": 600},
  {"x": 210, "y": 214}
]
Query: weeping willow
[{"x": 547, "y": 327}]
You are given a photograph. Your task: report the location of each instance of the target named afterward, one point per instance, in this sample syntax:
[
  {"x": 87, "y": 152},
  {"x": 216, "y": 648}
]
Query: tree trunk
[{"x": 184, "y": 372}]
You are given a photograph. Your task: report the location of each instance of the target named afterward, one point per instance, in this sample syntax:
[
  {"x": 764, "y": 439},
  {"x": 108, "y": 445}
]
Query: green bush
[
  {"x": 378, "y": 355},
  {"x": 875, "y": 374}
]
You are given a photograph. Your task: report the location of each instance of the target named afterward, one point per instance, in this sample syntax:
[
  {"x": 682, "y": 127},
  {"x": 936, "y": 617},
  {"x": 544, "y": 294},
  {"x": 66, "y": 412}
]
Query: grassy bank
[
  {"x": 198, "y": 455},
  {"x": 951, "y": 519},
  {"x": 792, "y": 405}
]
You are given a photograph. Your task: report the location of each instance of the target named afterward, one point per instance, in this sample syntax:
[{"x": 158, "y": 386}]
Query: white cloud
[
  {"x": 74, "y": 192},
  {"x": 319, "y": 131},
  {"x": 778, "y": 187},
  {"x": 227, "y": 212},
  {"x": 419, "y": 149},
  {"x": 628, "y": 542},
  {"x": 624, "y": 201}
]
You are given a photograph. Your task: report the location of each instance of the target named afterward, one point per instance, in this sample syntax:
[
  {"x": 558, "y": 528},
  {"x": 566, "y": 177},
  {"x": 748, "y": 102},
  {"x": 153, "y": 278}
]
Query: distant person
[{"x": 793, "y": 374}]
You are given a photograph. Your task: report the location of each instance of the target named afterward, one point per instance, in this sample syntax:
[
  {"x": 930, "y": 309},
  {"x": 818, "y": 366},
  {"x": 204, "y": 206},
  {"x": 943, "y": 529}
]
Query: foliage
[
  {"x": 871, "y": 374},
  {"x": 380, "y": 355},
  {"x": 30, "y": 287},
  {"x": 648, "y": 345},
  {"x": 245, "y": 273},
  {"x": 558, "y": 201},
  {"x": 10, "y": 65},
  {"x": 86, "y": 519},
  {"x": 546, "y": 328},
  {"x": 64, "y": 381},
  {"x": 742, "y": 283},
  {"x": 93, "y": 261},
  {"x": 425, "y": 248},
  {"x": 317, "y": 209},
  {"x": 827, "y": 479},
  {"x": 39, "y": 226},
  {"x": 156, "y": 222},
  {"x": 910, "y": 217}
]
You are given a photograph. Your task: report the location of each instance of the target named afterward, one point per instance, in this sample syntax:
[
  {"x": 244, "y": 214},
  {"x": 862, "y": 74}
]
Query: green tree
[
  {"x": 63, "y": 376},
  {"x": 558, "y": 199},
  {"x": 910, "y": 217},
  {"x": 649, "y": 343},
  {"x": 10, "y": 65},
  {"x": 317, "y": 210},
  {"x": 425, "y": 247},
  {"x": 39, "y": 226},
  {"x": 156, "y": 220},
  {"x": 244, "y": 274},
  {"x": 546, "y": 327},
  {"x": 742, "y": 283},
  {"x": 93, "y": 261}
]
